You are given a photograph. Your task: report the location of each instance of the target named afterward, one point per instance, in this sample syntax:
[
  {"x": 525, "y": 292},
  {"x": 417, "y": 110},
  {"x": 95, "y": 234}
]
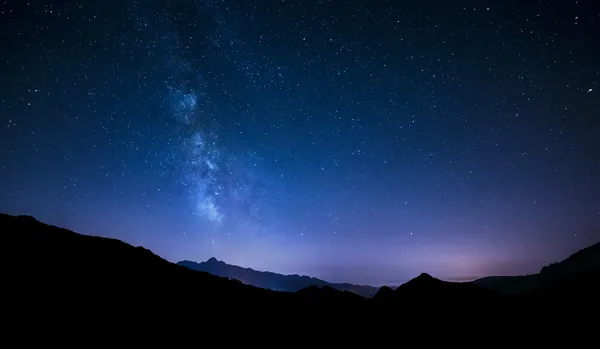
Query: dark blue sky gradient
[{"x": 363, "y": 141}]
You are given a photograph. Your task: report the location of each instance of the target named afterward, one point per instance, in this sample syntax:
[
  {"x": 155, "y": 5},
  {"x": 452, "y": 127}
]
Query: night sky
[{"x": 359, "y": 141}]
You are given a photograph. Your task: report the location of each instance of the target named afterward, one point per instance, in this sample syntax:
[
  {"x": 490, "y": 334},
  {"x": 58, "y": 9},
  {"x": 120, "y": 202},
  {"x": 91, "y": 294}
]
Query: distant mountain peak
[
  {"x": 425, "y": 276},
  {"x": 423, "y": 280},
  {"x": 273, "y": 281},
  {"x": 384, "y": 293}
]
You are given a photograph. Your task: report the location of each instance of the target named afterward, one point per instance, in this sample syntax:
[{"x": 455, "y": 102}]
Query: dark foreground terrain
[{"x": 52, "y": 275}]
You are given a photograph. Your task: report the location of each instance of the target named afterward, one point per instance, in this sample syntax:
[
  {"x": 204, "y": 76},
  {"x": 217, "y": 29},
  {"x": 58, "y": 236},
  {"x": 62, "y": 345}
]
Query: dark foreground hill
[
  {"x": 53, "y": 267},
  {"x": 576, "y": 278},
  {"x": 51, "y": 274},
  {"x": 273, "y": 281}
]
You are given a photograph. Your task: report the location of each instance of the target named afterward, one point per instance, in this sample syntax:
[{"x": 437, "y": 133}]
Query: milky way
[{"x": 215, "y": 187}]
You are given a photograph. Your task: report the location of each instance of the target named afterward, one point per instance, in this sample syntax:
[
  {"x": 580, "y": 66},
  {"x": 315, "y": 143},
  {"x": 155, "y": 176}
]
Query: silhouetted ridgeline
[
  {"x": 577, "y": 277},
  {"x": 49, "y": 271},
  {"x": 273, "y": 281}
]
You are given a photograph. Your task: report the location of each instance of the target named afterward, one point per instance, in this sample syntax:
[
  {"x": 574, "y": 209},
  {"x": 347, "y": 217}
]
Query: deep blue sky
[{"x": 360, "y": 141}]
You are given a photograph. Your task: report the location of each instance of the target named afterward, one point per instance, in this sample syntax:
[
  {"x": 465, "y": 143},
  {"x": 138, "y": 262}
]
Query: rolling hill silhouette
[
  {"x": 105, "y": 273},
  {"x": 577, "y": 277},
  {"x": 49, "y": 271},
  {"x": 273, "y": 281}
]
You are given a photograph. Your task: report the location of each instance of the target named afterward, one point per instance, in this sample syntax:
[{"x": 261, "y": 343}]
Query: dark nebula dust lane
[{"x": 358, "y": 141}]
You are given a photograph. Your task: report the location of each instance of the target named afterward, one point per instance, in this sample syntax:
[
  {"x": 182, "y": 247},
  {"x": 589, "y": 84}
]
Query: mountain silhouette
[
  {"x": 273, "y": 281},
  {"x": 55, "y": 276},
  {"x": 435, "y": 291},
  {"x": 384, "y": 295},
  {"x": 48, "y": 270},
  {"x": 584, "y": 260},
  {"x": 82, "y": 267},
  {"x": 327, "y": 295},
  {"x": 577, "y": 276}
]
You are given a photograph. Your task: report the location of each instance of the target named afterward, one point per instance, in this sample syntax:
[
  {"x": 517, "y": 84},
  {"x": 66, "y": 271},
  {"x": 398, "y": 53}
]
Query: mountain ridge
[
  {"x": 585, "y": 261},
  {"x": 49, "y": 270},
  {"x": 271, "y": 280},
  {"x": 108, "y": 274}
]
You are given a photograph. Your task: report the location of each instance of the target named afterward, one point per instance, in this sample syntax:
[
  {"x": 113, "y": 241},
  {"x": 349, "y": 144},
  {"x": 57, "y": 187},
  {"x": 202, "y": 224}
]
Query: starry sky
[{"x": 358, "y": 141}]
